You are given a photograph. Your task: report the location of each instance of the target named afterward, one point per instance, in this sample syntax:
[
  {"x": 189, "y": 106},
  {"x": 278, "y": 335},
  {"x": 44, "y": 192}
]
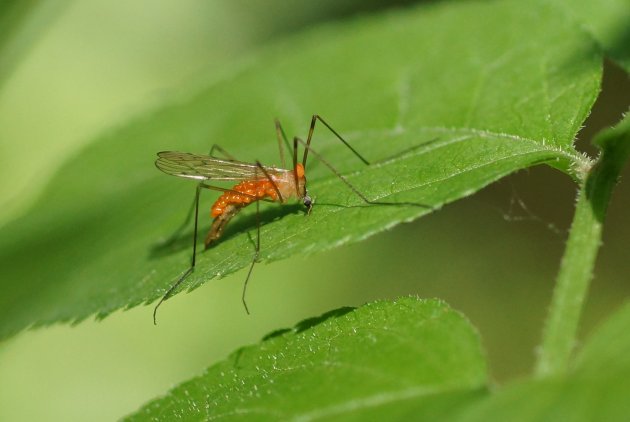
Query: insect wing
[{"x": 203, "y": 167}]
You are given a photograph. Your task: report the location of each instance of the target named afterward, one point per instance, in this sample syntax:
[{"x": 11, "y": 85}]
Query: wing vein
[{"x": 204, "y": 167}]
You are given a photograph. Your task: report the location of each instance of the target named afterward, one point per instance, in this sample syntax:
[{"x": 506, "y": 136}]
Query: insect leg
[
  {"x": 314, "y": 120},
  {"x": 170, "y": 291},
  {"x": 295, "y": 175},
  {"x": 176, "y": 234},
  {"x": 257, "y": 245},
  {"x": 222, "y": 151},
  {"x": 254, "y": 258},
  {"x": 282, "y": 137},
  {"x": 275, "y": 186},
  {"x": 350, "y": 185},
  {"x": 179, "y": 281}
]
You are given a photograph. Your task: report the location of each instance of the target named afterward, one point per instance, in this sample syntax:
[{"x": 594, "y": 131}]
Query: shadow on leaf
[
  {"x": 310, "y": 322},
  {"x": 181, "y": 240}
]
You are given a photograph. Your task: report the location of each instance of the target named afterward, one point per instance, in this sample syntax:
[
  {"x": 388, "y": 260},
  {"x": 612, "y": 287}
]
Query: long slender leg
[
  {"x": 257, "y": 245},
  {"x": 350, "y": 185},
  {"x": 314, "y": 120},
  {"x": 192, "y": 260},
  {"x": 179, "y": 281},
  {"x": 254, "y": 258},
  {"x": 173, "y": 237},
  {"x": 295, "y": 175},
  {"x": 268, "y": 176},
  {"x": 282, "y": 137},
  {"x": 307, "y": 148},
  {"x": 176, "y": 234},
  {"x": 222, "y": 151}
]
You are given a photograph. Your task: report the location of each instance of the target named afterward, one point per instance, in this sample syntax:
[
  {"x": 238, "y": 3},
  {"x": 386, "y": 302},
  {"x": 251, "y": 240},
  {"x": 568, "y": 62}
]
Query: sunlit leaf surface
[
  {"x": 443, "y": 99},
  {"x": 385, "y": 360}
]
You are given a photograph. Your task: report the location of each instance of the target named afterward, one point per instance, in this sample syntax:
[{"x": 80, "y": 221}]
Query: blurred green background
[{"x": 71, "y": 70}]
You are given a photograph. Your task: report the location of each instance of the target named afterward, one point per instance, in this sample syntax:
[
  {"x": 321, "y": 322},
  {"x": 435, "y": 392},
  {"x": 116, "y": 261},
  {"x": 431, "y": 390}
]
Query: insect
[{"x": 255, "y": 182}]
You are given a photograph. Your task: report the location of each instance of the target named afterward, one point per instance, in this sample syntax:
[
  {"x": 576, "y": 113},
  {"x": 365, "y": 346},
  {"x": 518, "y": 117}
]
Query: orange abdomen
[{"x": 243, "y": 194}]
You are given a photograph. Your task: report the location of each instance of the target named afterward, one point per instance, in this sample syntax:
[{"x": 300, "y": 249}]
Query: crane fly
[{"x": 255, "y": 182}]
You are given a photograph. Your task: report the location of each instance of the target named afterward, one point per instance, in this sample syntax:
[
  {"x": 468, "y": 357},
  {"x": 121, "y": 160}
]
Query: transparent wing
[{"x": 204, "y": 167}]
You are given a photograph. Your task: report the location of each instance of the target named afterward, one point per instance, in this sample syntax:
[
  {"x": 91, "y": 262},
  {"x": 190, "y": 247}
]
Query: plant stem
[
  {"x": 576, "y": 270},
  {"x": 575, "y": 274}
]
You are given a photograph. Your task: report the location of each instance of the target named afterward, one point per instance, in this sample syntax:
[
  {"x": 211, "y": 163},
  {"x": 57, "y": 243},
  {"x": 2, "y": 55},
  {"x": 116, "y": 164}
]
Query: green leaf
[
  {"x": 607, "y": 21},
  {"x": 615, "y": 146},
  {"x": 471, "y": 91},
  {"x": 22, "y": 22},
  {"x": 596, "y": 389},
  {"x": 393, "y": 359}
]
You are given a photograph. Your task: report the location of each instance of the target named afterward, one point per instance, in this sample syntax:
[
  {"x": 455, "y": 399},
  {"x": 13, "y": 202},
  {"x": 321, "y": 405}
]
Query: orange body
[
  {"x": 283, "y": 185},
  {"x": 253, "y": 190}
]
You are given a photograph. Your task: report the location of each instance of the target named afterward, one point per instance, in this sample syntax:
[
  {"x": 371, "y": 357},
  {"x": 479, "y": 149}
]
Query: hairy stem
[
  {"x": 576, "y": 270},
  {"x": 575, "y": 274}
]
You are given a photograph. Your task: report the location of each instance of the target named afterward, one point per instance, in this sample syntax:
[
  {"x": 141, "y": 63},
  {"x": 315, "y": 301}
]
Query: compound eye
[{"x": 308, "y": 202}]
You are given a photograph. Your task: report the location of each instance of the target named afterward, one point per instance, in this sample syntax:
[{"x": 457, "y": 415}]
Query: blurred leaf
[
  {"x": 607, "y": 352},
  {"x": 21, "y": 23},
  {"x": 469, "y": 97},
  {"x": 263, "y": 20},
  {"x": 607, "y": 21},
  {"x": 615, "y": 146},
  {"x": 597, "y": 388},
  {"x": 385, "y": 359}
]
